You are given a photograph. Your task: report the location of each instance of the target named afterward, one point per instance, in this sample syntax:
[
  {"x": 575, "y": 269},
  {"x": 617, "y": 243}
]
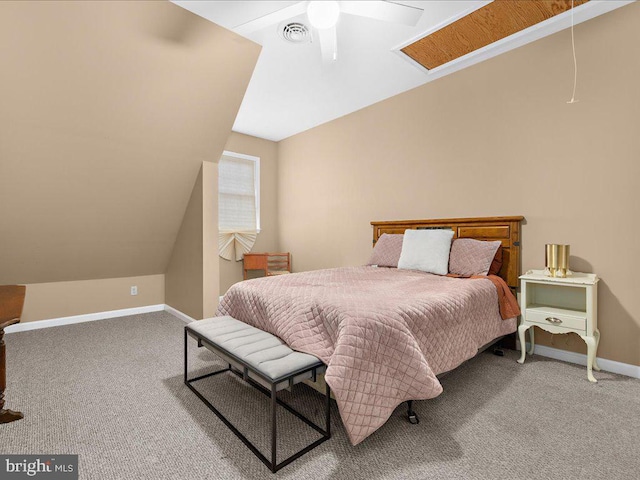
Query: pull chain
[{"x": 575, "y": 62}]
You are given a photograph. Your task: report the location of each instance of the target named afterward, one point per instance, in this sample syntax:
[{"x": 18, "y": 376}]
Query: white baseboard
[
  {"x": 91, "y": 317},
  {"x": 581, "y": 359},
  {"x": 178, "y": 314},
  {"x": 88, "y": 317}
]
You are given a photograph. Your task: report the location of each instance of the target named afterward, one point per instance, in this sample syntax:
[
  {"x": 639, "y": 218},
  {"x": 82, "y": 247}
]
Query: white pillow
[{"x": 426, "y": 250}]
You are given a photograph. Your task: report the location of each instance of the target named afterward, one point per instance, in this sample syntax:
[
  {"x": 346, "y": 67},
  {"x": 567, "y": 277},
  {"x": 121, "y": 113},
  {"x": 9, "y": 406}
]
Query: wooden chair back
[{"x": 269, "y": 263}]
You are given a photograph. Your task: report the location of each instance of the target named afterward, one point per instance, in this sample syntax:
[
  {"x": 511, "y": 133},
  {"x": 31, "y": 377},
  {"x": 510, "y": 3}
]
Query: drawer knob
[{"x": 555, "y": 320}]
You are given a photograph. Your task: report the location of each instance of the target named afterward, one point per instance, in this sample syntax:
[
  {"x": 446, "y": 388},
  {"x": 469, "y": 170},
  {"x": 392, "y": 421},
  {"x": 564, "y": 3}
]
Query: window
[{"x": 238, "y": 203}]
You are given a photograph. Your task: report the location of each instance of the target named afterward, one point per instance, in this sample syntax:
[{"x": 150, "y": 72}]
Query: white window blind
[{"x": 238, "y": 203}]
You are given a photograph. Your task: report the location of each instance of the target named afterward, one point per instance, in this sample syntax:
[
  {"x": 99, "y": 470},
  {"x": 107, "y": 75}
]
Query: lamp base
[{"x": 558, "y": 272}]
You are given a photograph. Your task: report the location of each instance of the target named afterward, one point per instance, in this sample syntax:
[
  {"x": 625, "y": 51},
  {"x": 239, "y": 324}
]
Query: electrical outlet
[{"x": 134, "y": 290}]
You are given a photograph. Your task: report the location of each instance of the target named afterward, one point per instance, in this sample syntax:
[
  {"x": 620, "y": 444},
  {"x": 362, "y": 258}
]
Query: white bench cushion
[{"x": 261, "y": 350}]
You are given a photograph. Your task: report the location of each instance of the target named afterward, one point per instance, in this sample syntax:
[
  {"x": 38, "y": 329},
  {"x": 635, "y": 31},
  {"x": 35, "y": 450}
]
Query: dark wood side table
[{"x": 11, "y": 303}]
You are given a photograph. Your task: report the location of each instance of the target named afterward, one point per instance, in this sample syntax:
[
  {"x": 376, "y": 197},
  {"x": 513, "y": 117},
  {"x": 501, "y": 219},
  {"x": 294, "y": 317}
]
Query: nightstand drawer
[{"x": 557, "y": 317}]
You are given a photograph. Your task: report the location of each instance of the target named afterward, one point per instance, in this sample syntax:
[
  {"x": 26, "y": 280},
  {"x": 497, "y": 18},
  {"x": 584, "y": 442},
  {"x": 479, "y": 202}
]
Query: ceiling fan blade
[
  {"x": 272, "y": 18},
  {"x": 328, "y": 39},
  {"x": 386, "y": 11}
]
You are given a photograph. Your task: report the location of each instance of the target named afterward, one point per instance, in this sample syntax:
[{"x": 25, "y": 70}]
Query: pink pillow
[
  {"x": 387, "y": 249},
  {"x": 472, "y": 257}
]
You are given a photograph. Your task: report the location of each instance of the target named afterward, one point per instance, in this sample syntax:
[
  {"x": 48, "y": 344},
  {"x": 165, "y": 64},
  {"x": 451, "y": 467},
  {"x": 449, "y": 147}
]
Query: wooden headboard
[{"x": 505, "y": 229}]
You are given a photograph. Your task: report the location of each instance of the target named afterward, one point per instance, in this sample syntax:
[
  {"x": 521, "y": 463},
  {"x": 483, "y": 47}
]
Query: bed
[{"x": 385, "y": 334}]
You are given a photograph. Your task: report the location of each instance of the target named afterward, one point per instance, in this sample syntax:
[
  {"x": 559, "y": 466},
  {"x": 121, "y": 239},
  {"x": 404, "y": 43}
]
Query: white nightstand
[{"x": 561, "y": 305}]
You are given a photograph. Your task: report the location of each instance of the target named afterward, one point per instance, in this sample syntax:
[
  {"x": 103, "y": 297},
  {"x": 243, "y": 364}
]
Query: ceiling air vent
[{"x": 296, "y": 33}]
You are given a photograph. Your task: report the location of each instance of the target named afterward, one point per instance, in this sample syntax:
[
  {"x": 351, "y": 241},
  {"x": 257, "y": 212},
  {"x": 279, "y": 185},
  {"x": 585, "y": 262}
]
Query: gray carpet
[{"x": 112, "y": 392}]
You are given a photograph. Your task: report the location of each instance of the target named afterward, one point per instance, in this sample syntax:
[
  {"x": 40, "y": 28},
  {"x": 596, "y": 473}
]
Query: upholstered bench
[{"x": 265, "y": 362}]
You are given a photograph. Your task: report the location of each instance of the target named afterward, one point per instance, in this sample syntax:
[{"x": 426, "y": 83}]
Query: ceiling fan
[{"x": 324, "y": 15}]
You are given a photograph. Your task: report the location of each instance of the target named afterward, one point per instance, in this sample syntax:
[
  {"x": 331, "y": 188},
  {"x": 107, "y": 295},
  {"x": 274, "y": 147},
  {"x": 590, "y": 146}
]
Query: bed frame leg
[
  {"x": 413, "y": 417},
  {"x": 498, "y": 351}
]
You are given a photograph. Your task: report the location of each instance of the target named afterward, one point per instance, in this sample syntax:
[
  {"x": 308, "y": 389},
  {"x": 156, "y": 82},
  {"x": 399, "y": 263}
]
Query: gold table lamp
[{"x": 556, "y": 260}]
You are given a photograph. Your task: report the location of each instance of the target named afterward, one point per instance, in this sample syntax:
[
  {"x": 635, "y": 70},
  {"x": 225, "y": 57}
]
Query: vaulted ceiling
[{"x": 292, "y": 90}]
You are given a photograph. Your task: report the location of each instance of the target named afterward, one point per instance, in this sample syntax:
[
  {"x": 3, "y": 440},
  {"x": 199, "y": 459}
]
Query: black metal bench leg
[
  {"x": 272, "y": 465},
  {"x": 185, "y": 355},
  {"x": 274, "y": 440},
  {"x": 328, "y": 412},
  {"x": 413, "y": 417}
]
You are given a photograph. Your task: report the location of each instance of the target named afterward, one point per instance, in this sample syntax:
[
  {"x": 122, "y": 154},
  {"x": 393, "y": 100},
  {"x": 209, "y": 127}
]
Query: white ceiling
[{"x": 292, "y": 90}]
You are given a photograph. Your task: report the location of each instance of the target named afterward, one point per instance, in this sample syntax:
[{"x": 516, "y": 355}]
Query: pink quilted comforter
[{"x": 383, "y": 333}]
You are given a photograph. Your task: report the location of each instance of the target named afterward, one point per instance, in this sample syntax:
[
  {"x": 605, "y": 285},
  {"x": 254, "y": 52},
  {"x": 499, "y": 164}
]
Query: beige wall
[
  {"x": 210, "y": 258},
  {"x": 494, "y": 139},
  {"x": 183, "y": 280},
  {"x": 267, "y": 241},
  {"x": 108, "y": 111},
  {"x": 64, "y": 299},
  {"x": 192, "y": 278}
]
